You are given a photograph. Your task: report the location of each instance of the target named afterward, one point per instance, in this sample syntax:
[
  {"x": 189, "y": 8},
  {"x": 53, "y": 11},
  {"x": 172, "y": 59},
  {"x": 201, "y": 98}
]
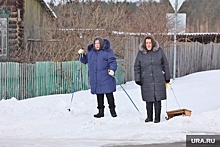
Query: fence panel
[
  {"x": 25, "y": 80},
  {"x": 8, "y": 80},
  {"x": 215, "y": 56}
]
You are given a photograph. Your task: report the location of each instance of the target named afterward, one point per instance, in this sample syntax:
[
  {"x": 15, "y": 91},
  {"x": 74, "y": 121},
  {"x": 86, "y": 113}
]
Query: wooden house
[{"x": 21, "y": 20}]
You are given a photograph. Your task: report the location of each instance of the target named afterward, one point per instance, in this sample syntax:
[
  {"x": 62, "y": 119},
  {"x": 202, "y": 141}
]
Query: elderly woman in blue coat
[
  {"x": 151, "y": 70},
  {"x": 102, "y": 66}
]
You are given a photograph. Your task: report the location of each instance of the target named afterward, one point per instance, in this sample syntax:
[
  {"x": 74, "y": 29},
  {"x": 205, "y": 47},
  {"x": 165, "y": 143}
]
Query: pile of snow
[{"x": 45, "y": 121}]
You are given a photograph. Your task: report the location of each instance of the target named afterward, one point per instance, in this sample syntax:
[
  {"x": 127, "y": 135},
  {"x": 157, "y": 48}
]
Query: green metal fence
[{"x": 22, "y": 80}]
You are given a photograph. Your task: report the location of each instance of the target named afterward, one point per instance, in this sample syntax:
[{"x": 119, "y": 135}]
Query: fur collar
[{"x": 144, "y": 50}]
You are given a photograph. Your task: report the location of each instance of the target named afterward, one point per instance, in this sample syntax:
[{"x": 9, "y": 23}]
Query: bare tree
[
  {"x": 150, "y": 18},
  {"x": 78, "y": 22}
]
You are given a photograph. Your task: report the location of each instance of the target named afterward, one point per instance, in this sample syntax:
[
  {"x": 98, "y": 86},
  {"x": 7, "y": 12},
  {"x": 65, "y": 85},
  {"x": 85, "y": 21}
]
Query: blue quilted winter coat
[{"x": 99, "y": 61}]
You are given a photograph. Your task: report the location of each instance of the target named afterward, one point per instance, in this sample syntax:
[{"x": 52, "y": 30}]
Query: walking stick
[
  {"x": 76, "y": 76},
  {"x": 128, "y": 95}
]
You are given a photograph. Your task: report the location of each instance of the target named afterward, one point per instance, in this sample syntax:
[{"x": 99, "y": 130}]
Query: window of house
[
  {"x": 4, "y": 14},
  {"x": 3, "y": 36}
]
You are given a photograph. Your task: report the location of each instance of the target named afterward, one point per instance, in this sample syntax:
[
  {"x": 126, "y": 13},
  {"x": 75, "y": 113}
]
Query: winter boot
[
  {"x": 113, "y": 113},
  {"x": 157, "y": 115},
  {"x": 100, "y": 114},
  {"x": 149, "y": 115}
]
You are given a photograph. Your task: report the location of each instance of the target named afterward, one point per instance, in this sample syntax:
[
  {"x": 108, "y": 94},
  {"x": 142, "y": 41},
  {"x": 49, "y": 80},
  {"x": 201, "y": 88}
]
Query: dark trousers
[
  {"x": 157, "y": 105},
  {"x": 110, "y": 98}
]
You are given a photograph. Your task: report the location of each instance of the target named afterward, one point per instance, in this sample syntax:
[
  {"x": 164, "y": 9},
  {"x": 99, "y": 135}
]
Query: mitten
[
  {"x": 80, "y": 51},
  {"x": 111, "y": 72}
]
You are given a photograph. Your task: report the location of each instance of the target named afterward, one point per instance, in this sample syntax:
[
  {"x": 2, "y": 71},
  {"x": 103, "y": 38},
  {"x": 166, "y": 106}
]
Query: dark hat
[{"x": 101, "y": 41}]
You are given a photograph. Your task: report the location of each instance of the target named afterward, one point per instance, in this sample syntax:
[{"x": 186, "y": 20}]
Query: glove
[
  {"x": 81, "y": 51},
  {"x": 166, "y": 85},
  {"x": 167, "y": 81},
  {"x": 138, "y": 82},
  {"x": 111, "y": 72}
]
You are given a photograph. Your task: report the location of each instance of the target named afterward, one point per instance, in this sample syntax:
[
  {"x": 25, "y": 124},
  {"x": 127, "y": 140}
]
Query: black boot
[
  {"x": 113, "y": 113},
  {"x": 111, "y": 102},
  {"x": 157, "y": 115},
  {"x": 100, "y": 114},
  {"x": 149, "y": 115}
]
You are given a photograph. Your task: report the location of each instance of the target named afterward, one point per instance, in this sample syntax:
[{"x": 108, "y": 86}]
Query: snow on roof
[
  {"x": 141, "y": 34},
  {"x": 179, "y": 34},
  {"x": 44, "y": 3},
  {"x": 195, "y": 34}
]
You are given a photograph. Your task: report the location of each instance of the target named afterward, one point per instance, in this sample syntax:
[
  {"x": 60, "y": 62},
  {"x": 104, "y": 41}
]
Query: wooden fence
[
  {"x": 22, "y": 80},
  {"x": 191, "y": 57}
]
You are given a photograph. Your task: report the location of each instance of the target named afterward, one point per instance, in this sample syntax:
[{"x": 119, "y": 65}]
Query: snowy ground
[{"x": 46, "y": 122}]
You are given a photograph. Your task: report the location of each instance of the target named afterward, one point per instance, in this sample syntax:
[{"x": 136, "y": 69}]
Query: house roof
[
  {"x": 200, "y": 37},
  {"x": 183, "y": 37},
  {"x": 47, "y": 7}
]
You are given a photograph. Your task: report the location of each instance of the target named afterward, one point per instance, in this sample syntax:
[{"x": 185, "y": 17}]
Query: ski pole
[
  {"x": 127, "y": 95},
  {"x": 76, "y": 76}
]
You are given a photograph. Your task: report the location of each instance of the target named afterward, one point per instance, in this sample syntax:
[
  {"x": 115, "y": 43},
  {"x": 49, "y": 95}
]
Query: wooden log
[
  {"x": 12, "y": 22},
  {"x": 12, "y": 31},
  {"x": 13, "y": 26},
  {"x": 13, "y": 15},
  {"x": 13, "y": 42},
  {"x": 12, "y": 36}
]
